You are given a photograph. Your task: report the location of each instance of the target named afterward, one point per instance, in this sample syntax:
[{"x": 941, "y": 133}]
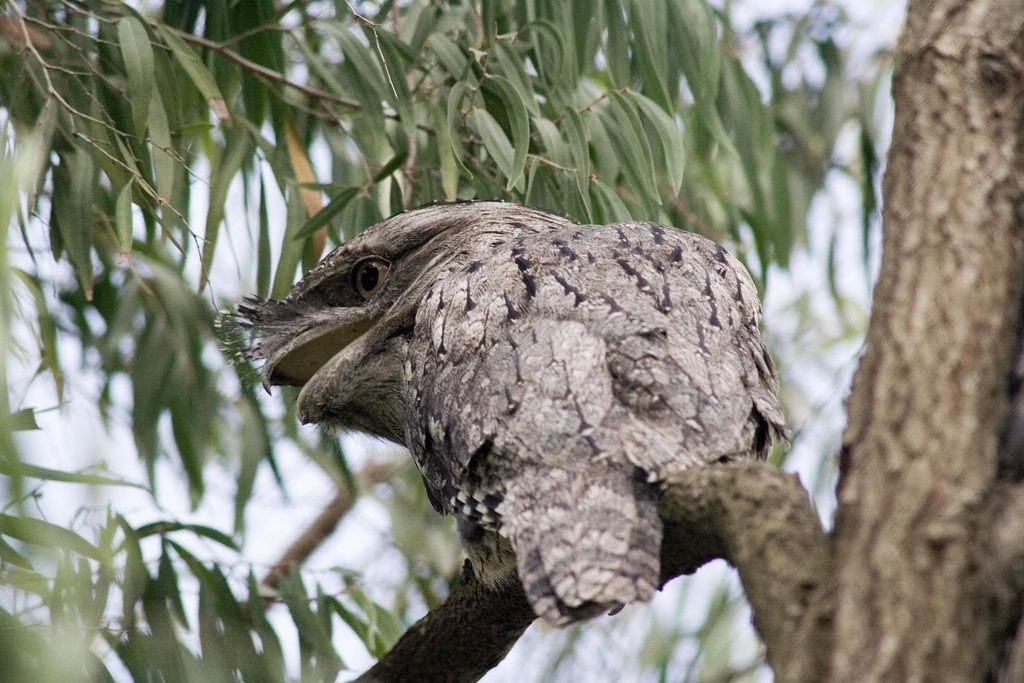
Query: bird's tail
[{"x": 584, "y": 544}]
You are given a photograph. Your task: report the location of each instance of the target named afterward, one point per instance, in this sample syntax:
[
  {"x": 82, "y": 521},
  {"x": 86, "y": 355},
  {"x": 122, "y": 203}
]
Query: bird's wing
[
  {"x": 633, "y": 343},
  {"x": 554, "y": 378}
]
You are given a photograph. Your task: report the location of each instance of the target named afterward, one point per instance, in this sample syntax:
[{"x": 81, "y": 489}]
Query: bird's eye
[{"x": 368, "y": 274}]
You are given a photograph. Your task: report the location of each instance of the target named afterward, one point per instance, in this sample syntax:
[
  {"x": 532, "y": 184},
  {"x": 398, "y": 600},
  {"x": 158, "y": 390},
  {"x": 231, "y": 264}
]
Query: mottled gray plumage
[{"x": 546, "y": 377}]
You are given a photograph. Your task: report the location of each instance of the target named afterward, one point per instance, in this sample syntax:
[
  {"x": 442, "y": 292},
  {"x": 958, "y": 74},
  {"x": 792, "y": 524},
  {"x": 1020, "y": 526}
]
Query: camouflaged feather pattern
[{"x": 557, "y": 374}]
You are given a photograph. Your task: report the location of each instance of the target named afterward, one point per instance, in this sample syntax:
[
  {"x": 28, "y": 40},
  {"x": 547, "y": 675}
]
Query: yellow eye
[{"x": 368, "y": 275}]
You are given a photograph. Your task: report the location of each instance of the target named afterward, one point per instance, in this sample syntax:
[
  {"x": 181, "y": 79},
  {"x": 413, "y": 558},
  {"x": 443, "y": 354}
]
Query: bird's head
[{"x": 342, "y": 333}]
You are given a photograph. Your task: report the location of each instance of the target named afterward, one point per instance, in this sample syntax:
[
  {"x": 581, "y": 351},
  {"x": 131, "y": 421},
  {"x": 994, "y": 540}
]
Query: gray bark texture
[{"x": 920, "y": 591}]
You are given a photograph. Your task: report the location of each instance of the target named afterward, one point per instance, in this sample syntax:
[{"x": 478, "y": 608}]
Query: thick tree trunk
[{"x": 916, "y": 596}]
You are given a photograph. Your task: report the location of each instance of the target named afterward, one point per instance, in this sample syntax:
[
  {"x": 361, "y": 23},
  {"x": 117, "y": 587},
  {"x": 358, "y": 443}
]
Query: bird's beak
[
  {"x": 295, "y": 340},
  {"x": 299, "y": 358}
]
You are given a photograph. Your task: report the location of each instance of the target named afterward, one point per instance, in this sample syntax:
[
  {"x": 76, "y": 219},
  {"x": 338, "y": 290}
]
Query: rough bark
[
  {"x": 914, "y": 595},
  {"x": 461, "y": 639},
  {"x": 757, "y": 518}
]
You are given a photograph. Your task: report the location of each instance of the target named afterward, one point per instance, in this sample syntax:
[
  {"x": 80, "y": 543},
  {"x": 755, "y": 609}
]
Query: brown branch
[
  {"x": 762, "y": 522},
  {"x": 461, "y": 639},
  {"x": 751, "y": 514},
  {"x": 325, "y": 523},
  {"x": 267, "y": 73}
]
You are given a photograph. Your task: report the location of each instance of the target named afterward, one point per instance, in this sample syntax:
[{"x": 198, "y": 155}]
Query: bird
[{"x": 547, "y": 377}]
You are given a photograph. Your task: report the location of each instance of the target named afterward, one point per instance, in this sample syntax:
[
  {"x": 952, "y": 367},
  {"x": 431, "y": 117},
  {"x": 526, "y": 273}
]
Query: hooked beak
[
  {"x": 296, "y": 341},
  {"x": 295, "y": 363}
]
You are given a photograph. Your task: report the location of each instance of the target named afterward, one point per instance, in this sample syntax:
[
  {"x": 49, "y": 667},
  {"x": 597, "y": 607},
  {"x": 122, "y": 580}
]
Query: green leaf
[
  {"x": 271, "y": 660},
  {"x": 458, "y": 92},
  {"x": 391, "y": 54},
  {"x": 699, "y": 54},
  {"x": 238, "y": 149},
  {"x": 25, "y": 579},
  {"x": 165, "y": 587},
  {"x": 21, "y": 421},
  {"x": 47, "y": 322},
  {"x": 334, "y": 207},
  {"x": 383, "y": 629},
  {"x": 123, "y": 220},
  {"x": 137, "y": 53},
  {"x": 196, "y": 70},
  {"x": 448, "y": 163},
  {"x": 608, "y": 208},
  {"x": 616, "y": 48},
  {"x": 358, "y": 624},
  {"x": 449, "y": 54},
  {"x": 263, "y": 258},
  {"x": 38, "y": 532},
  {"x": 550, "y": 56},
  {"x": 605, "y": 160},
  {"x": 74, "y": 188},
  {"x": 291, "y": 248},
  {"x": 783, "y": 223},
  {"x": 150, "y": 372},
  {"x": 163, "y": 528},
  {"x": 555, "y": 148},
  {"x": 512, "y": 68},
  {"x": 10, "y": 555},
  {"x": 42, "y": 136},
  {"x": 366, "y": 73},
  {"x": 668, "y": 136},
  {"x": 255, "y": 446},
  {"x": 393, "y": 165},
  {"x": 165, "y": 167},
  {"x": 136, "y": 577},
  {"x": 649, "y": 21},
  {"x": 313, "y": 635},
  {"x": 14, "y": 468},
  {"x": 513, "y": 107},
  {"x": 496, "y": 143},
  {"x": 576, "y": 134},
  {"x": 638, "y": 165}
]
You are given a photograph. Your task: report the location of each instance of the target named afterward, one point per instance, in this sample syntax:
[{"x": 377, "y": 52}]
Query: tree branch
[
  {"x": 761, "y": 521},
  {"x": 269, "y": 74},
  {"x": 325, "y": 523},
  {"x": 914, "y": 598},
  {"x": 461, "y": 639},
  {"x": 749, "y": 513}
]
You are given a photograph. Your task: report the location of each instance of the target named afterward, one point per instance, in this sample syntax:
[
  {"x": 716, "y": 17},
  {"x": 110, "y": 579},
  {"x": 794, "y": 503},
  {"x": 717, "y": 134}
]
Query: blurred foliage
[{"x": 172, "y": 156}]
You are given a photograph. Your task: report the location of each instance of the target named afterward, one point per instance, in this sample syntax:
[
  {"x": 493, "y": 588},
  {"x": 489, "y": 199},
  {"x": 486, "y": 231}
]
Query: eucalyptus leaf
[
  {"x": 123, "y": 220},
  {"x": 497, "y": 144},
  {"x": 166, "y": 527},
  {"x": 22, "y": 469},
  {"x": 515, "y": 109},
  {"x": 42, "y": 533},
  {"x": 137, "y": 53},
  {"x": 332, "y": 209},
  {"x": 201, "y": 77}
]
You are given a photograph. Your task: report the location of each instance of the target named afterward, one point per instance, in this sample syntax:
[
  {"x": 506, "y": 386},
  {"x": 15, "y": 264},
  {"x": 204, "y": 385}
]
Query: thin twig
[
  {"x": 326, "y": 522},
  {"x": 270, "y": 74}
]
